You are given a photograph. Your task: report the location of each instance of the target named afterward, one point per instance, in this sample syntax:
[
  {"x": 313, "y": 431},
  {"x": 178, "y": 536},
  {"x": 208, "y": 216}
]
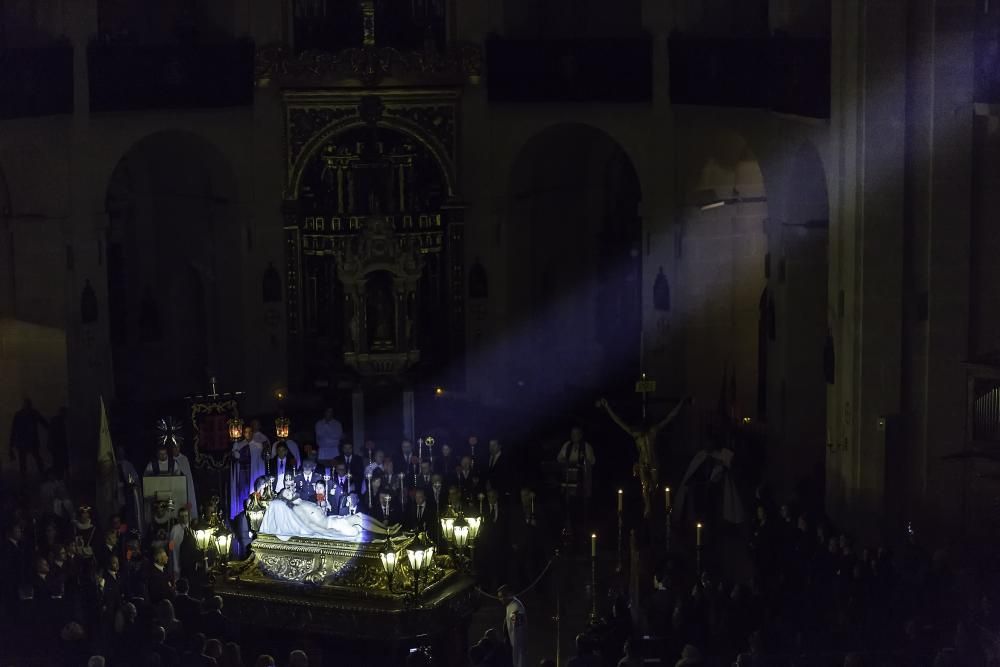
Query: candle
[
  {"x": 532, "y": 504},
  {"x": 481, "y": 496},
  {"x": 420, "y": 443},
  {"x": 621, "y": 495},
  {"x": 593, "y": 545},
  {"x": 698, "y": 535},
  {"x": 666, "y": 492}
]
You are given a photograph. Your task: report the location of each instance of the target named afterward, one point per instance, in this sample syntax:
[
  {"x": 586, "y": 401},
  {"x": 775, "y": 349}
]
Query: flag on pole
[{"x": 107, "y": 481}]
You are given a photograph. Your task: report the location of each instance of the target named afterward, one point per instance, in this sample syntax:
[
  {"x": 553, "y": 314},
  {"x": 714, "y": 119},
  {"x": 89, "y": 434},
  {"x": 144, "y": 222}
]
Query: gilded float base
[{"x": 339, "y": 588}]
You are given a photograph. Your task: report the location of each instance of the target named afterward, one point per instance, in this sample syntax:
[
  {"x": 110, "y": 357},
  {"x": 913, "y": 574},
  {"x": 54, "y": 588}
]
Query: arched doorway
[
  {"x": 573, "y": 263},
  {"x": 173, "y": 286}
]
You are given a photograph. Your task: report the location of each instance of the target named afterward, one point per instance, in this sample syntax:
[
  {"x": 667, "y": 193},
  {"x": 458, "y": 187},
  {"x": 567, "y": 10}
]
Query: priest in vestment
[
  {"x": 163, "y": 464},
  {"x": 247, "y": 466},
  {"x": 184, "y": 465}
]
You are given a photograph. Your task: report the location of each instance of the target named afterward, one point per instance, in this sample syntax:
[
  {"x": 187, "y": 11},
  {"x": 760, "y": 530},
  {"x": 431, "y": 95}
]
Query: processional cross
[{"x": 645, "y": 438}]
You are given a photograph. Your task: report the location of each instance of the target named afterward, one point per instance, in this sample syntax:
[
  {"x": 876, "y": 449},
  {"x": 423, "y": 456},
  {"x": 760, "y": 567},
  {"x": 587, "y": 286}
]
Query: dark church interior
[{"x": 497, "y": 333}]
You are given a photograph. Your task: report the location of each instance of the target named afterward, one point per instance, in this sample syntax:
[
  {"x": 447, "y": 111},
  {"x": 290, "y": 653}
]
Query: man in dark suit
[
  {"x": 186, "y": 608},
  {"x": 384, "y": 507},
  {"x": 525, "y": 539},
  {"x": 355, "y": 464},
  {"x": 445, "y": 464},
  {"x": 282, "y": 463},
  {"x": 493, "y": 540},
  {"x": 467, "y": 481},
  {"x": 420, "y": 515},
  {"x": 340, "y": 479},
  {"x": 159, "y": 583},
  {"x": 109, "y": 548},
  {"x": 437, "y": 495},
  {"x": 195, "y": 655},
  {"x": 425, "y": 477},
  {"x": 213, "y": 623},
  {"x": 167, "y": 655},
  {"x": 305, "y": 482},
  {"x": 406, "y": 462},
  {"x": 15, "y": 559},
  {"x": 498, "y": 470}
]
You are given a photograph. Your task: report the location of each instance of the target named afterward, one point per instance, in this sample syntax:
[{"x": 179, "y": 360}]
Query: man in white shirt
[
  {"x": 329, "y": 432},
  {"x": 177, "y": 535}
]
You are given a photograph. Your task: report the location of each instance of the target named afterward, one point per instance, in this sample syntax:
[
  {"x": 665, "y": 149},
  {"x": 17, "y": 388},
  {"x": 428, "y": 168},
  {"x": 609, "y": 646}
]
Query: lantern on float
[
  {"x": 281, "y": 427},
  {"x": 235, "y": 429}
]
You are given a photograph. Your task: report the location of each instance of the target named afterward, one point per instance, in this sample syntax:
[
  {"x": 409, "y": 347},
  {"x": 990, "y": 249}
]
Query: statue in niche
[
  {"x": 353, "y": 324},
  {"x": 381, "y": 312},
  {"x": 410, "y": 316}
]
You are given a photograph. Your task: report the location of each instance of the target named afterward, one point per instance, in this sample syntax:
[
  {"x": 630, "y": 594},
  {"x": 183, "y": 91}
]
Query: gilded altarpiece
[{"x": 374, "y": 233}]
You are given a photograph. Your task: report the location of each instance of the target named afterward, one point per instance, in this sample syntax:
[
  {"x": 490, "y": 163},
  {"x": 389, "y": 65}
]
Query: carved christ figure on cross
[{"x": 645, "y": 443}]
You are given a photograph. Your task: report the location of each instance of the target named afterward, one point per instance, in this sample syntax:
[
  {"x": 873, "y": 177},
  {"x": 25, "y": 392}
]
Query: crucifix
[{"x": 645, "y": 443}]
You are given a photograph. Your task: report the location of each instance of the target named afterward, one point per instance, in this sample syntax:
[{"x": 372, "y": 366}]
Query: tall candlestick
[
  {"x": 593, "y": 545},
  {"x": 698, "y": 535},
  {"x": 621, "y": 495}
]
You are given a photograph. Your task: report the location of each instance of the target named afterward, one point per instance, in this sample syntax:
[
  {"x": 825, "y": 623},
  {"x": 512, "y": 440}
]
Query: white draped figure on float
[
  {"x": 247, "y": 466},
  {"x": 289, "y": 516}
]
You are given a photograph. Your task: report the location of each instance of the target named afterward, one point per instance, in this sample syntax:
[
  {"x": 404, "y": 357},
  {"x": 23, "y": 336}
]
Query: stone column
[
  {"x": 940, "y": 128},
  {"x": 661, "y": 221},
  {"x": 866, "y": 244},
  {"x": 358, "y": 417}
]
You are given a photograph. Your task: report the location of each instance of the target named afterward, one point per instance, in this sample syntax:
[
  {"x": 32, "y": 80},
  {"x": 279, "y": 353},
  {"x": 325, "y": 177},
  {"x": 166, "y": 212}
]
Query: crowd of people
[
  {"x": 816, "y": 597},
  {"x": 123, "y": 588},
  {"x": 130, "y": 590}
]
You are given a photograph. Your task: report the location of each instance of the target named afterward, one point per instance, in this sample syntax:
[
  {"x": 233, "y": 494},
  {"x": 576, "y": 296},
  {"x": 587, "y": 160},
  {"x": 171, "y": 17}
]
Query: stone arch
[
  {"x": 173, "y": 232},
  {"x": 309, "y": 151},
  {"x": 570, "y": 262}
]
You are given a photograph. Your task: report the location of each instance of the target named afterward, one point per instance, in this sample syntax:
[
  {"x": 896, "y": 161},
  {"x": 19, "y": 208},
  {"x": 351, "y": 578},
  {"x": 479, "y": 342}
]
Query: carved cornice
[{"x": 368, "y": 66}]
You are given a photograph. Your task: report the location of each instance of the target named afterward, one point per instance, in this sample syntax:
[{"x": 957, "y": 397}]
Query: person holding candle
[{"x": 355, "y": 464}]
